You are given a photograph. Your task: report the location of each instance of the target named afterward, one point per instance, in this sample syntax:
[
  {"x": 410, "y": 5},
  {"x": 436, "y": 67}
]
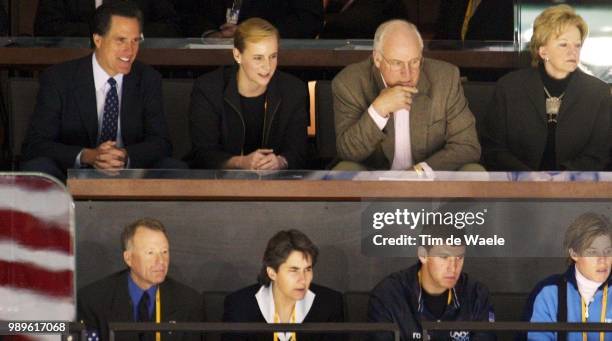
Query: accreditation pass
[{"x": 34, "y": 327}]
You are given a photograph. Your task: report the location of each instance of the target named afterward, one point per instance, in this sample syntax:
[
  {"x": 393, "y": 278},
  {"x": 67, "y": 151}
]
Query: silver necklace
[{"x": 552, "y": 106}]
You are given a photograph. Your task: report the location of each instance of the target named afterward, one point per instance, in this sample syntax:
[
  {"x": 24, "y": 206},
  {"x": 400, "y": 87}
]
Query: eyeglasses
[{"x": 398, "y": 65}]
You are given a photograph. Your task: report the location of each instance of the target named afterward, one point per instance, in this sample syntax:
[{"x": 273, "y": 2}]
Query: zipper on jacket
[
  {"x": 243, "y": 126},
  {"x": 265, "y": 136}
]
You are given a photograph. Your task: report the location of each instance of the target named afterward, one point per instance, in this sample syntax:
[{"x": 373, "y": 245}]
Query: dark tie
[
  {"x": 143, "y": 315},
  {"x": 111, "y": 114},
  {"x": 143, "y": 308}
]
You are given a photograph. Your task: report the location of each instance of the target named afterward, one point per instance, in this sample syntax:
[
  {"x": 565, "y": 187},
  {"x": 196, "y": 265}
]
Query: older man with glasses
[{"x": 398, "y": 110}]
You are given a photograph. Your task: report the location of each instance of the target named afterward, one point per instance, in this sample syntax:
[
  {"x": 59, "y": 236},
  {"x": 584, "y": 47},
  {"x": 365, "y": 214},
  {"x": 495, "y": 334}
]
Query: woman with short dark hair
[{"x": 285, "y": 292}]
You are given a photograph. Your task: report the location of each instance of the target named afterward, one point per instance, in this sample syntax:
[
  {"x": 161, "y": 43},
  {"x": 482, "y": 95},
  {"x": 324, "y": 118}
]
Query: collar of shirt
[
  {"x": 265, "y": 301},
  {"x": 136, "y": 294},
  {"x": 101, "y": 78}
]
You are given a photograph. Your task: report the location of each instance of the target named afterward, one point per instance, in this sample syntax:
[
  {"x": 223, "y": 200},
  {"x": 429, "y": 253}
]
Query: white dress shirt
[
  {"x": 102, "y": 87},
  {"x": 265, "y": 301},
  {"x": 402, "y": 155}
]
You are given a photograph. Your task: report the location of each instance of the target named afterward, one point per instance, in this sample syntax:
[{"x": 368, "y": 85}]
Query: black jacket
[
  {"x": 217, "y": 125},
  {"x": 108, "y": 300},
  {"x": 516, "y": 128},
  {"x": 241, "y": 306},
  {"x": 71, "y": 18},
  {"x": 398, "y": 299},
  {"x": 65, "y": 119},
  {"x": 293, "y": 18}
]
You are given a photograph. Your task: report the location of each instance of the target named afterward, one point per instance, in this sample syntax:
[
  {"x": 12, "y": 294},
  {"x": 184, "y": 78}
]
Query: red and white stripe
[{"x": 37, "y": 264}]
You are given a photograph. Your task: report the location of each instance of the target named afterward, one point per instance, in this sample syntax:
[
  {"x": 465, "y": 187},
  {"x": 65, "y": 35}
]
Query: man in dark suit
[
  {"x": 71, "y": 18},
  {"x": 142, "y": 293},
  {"x": 104, "y": 110}
]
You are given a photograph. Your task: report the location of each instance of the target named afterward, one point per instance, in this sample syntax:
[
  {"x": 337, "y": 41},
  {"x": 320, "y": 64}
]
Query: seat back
[
  {"x": 479, "y": 95},
  {"x": 22, "y": 99},
  {"x": 177, "y": 96},
  {"x": 324, "y": 120}
]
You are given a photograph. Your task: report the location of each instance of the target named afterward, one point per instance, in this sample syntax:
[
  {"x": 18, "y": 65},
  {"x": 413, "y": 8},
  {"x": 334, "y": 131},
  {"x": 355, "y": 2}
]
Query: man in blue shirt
[{"x": 143, "y": 292}]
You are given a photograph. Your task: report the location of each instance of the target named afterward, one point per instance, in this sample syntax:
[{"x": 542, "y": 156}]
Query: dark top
[
  {"x": 292, "y": 18},
  {"x": 398, "y": 299},
  {"x": 72, "y": 18},
  {"x": 65, "y": 118},
  {"x": 253, "y": 109},
  {"x": 241, "y": 306},
  {"x": 515, "y": 128},
  {"x": 218, "y": 127},
  {"x": 555, "y": 87},
  {"x": 109, "y": 300},
  {"x": 436, "y": 304}
]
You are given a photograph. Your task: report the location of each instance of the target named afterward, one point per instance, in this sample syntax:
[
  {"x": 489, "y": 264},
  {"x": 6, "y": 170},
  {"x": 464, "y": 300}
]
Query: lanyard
[
  {"x": 292, "y": 336},
  {"x": 450, "y": 296},
  {"x": 157, "y": 313},
  {"x": 602, "y": 318}
]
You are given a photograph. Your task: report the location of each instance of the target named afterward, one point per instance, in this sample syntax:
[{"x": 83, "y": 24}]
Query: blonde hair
[
  {"x": 253, "y": 30},
  {"x": 550, "y": 24},
  {"x": 584, "y": 230}
]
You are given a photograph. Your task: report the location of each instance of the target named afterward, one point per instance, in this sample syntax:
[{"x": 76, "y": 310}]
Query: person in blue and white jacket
[{"x": 582, "y": 293}]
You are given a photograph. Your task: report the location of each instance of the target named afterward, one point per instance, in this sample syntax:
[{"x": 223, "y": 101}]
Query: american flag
[{"x": 37, "y": 261}]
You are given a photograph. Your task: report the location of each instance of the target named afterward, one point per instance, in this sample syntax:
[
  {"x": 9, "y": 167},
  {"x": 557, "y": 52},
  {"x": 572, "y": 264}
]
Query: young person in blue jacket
[{"x": 582, "y": 293}]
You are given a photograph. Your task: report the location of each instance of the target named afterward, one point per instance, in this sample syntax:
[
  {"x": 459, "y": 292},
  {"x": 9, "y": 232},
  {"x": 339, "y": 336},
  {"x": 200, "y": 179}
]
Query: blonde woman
[
  {"x": 551, "y": 116},
  {"x": 249, "y": 115}
]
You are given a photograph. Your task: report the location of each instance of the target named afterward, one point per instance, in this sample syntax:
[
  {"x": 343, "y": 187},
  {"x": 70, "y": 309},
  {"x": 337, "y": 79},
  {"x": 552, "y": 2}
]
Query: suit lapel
[
  {"x": 122, "y": 305},
  {"x": 535, "y": 92},
  {"x": 85, "y": 94},
  {"x": 168, "y": 309},
  {"x": 129, "y": 96},
  {"x": 388, "y": 144},
  {"x": 420, "y": 118}
]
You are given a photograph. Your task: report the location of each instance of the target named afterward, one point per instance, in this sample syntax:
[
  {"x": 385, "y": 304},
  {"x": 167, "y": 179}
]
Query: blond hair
[
  {"x": 551, "y": 23},
  {"x": 253, "y": 30},
  {"x": 584, "y": 230}
]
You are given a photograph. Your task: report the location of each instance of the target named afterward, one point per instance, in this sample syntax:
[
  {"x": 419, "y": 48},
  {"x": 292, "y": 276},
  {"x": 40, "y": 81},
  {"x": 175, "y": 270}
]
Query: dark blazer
[
  {"x": 292, "y": 18},
  {"x": 71, "y": 18},
  {"x": 241, "y": 306},
  {"x": 516, "y": 128},
  {"x": 108, "y": 300},
  {"x": 65, "y": 119},
  {"x": 217, "y": 125},
  {"x": 493, "y": 20}
]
